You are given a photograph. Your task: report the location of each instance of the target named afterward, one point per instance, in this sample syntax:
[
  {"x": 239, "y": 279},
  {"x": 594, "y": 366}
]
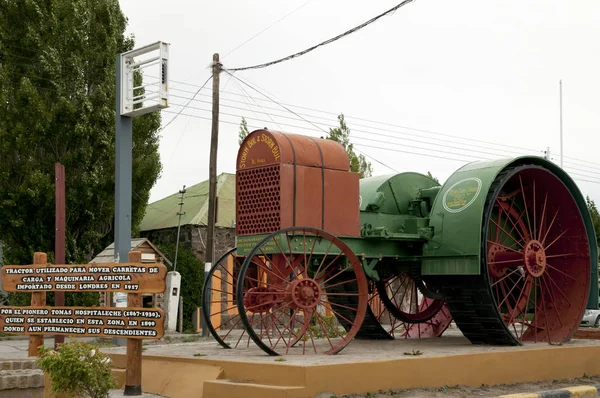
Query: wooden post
[
  {"x": 60, "y": 234},
  {"x": 212, "y": 171},
  {"x": 133, "y": 375},
  {"x": 38, "y": 299}
]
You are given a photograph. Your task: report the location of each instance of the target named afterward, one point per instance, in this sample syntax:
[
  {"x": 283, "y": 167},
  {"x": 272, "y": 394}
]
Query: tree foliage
[
  {"x": 595, "y": 215},
  {"x": 57, "y": 104},
  {"x": 243, "y": 131},
  {"x": 192, "y": 279},
  {"x": 358, "y": 163}
]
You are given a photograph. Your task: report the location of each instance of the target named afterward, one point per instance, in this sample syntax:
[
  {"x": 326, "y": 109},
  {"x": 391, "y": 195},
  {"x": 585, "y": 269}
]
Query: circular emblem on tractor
[{"x": 461, "y": 194}]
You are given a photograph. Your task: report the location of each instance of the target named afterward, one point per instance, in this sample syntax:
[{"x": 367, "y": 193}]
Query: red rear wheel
[{"x": 538, "y": 260}]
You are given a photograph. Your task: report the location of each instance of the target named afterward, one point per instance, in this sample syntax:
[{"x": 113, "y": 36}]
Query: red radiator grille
[{"x": 258, "y": 200}]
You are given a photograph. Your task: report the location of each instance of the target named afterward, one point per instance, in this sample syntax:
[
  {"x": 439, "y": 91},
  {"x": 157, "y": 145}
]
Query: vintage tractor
[{"x": 505, "y": 248}]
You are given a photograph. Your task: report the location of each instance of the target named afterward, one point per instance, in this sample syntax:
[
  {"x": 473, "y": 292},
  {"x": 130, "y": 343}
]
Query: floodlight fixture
[{"x": 144, "y": 79}]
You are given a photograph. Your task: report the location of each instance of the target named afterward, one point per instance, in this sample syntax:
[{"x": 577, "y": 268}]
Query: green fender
[{"x": 457, "y": 219}]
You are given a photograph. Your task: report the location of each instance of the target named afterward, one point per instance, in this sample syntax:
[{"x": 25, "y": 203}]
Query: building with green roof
[{"x": 161, "y": 219}]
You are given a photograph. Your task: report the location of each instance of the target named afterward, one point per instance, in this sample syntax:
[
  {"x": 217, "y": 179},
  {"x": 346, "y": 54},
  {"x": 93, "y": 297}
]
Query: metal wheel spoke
[
  {"x": 525, "y": 204},
  {"x": 341, "y": 283},
  {"x": 551, "y": 294},
  {"x": 543, "y": 218},
  {"x": 557, "y": 238},
  {"x": 339, "y": 305},
  {"x": 550, "y": 226},
  {"x": 534, "y": 213},
  {"x": 556, "y": 269},
  {"x": 514, "y": 224},
  {"x": 503, "y": 230}
]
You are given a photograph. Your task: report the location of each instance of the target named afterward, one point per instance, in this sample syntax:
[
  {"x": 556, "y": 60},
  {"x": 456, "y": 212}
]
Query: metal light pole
[{"x": 129, "y": 105}]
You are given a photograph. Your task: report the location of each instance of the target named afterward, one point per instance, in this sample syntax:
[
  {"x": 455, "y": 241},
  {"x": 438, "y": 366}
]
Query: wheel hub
[
  {"x": 260, "y": 299},
  {"x": 496, "y": 270},
  {"x": 535, "y": 258},
  {"x": 305, "y": 293}
]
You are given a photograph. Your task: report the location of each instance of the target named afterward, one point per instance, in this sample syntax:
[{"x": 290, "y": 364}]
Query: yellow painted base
[
  {"x": 172, "y": 377},
  {"x": 119, "y": 375},
  {"x": 177, "y": 377},
  {"x": 48, "y": 389}
]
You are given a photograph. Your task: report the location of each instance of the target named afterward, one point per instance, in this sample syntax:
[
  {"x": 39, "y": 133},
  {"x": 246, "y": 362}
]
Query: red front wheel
[{"x": 307, "y": 293}]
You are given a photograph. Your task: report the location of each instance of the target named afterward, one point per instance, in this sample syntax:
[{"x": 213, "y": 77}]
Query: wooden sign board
[
  {"x": 130, "y": 323},
  {"x": 113, "y": 277}
]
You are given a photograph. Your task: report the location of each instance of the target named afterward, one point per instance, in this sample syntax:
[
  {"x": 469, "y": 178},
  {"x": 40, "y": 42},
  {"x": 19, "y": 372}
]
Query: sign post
[
  {"x": 133, "y": 375},
  {"x": 132, "y": 322},
  {"x": 38, "y": 299}
]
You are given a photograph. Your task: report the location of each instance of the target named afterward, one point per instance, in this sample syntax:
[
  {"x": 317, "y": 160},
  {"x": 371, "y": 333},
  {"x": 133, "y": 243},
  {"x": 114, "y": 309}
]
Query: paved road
[{"x": 17, "y": 348}]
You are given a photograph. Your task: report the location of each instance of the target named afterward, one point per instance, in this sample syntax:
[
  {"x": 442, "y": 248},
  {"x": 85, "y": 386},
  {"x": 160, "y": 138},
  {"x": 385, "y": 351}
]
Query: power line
[
  {"x": 268, "y": 114},
  {"x": 326, "y": 132},
  {"x": 581, "y": 161},
  {"x": 575, "y": 176},
  {"x": 302, "y": 117},
  {"x": 298, "y": 54},
  {"x": 191, "y": 99},
  {"x": 591, "y": 170},
  {"x": 267, "y": 28},
  {"x": 186, "y": 125},
  {"x": 349, "y": 117},
  {"x": 395, "y": 136},
  {"x": 359, "y": 138}
]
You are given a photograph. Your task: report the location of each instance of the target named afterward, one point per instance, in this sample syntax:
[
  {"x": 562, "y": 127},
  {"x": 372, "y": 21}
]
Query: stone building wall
[{"x": 194, "y": 237}]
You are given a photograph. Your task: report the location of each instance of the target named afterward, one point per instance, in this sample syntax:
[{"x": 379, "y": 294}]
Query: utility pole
[
  {"x": 179, "y": 213},
  {"x": 212, "y": 190},
  {"x": 561, "y": 125},
  {"x": 547, "y": 154}
]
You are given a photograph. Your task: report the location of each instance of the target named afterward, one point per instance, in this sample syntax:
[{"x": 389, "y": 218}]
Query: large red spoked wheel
[
  {"x": 294, "y": 277},
  {"x": 398, "y": 295},
  {"x": 219, "y": 305},
  {"x": 536, "y": 255}
]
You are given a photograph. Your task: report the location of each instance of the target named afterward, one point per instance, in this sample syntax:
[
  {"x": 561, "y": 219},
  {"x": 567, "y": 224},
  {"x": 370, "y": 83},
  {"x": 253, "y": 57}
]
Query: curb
[
  {"x": 20, "y": 374},
  {"x": 567, "y": 392}
]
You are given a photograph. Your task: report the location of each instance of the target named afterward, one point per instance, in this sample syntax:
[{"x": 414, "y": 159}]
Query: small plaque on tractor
[
  {"x": 462, "y": 194},
  {"x": 245, "y": 244}
]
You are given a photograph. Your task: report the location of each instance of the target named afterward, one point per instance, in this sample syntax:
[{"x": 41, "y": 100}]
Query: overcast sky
[{"x": 481, "y": 77}]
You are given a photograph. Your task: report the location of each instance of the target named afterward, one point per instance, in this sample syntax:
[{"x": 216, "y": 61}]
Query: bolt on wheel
[{"x": 296, "y": 277}]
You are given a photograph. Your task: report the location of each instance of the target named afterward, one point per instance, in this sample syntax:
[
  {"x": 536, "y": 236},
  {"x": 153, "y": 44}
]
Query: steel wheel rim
[
  {"x": 432, "y": 326},
  {"x": 423, "y": 310},
  {"x": 285, "y": 292},
  {"x": 227, "y": 289},
  {"x": 536, "y": 256}
]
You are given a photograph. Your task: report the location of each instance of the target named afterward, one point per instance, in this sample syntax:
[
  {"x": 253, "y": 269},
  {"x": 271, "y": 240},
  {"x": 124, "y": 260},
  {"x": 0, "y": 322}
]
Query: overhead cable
[{"x": 298, "y": 54}]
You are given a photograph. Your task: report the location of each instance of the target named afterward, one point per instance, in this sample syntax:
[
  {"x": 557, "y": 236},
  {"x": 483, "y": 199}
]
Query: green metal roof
[{"x": 163, "y": 213}]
